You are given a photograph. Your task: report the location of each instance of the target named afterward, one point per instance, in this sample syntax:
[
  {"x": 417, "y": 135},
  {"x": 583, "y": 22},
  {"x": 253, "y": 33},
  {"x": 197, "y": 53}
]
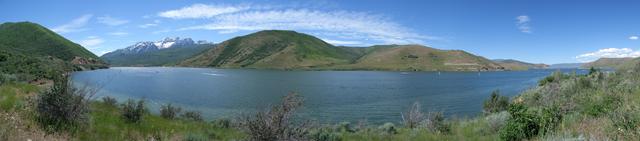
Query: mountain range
[{"x": 163, "y": 52}]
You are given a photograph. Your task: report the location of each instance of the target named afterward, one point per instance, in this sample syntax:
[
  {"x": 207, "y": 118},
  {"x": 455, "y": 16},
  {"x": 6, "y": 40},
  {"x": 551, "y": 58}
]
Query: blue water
[{"x": 330, "y": 96}]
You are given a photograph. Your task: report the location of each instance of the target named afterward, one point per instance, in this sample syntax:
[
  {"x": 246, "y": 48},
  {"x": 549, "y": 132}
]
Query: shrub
[
  {"x": 109, "y": 101},
  {"x": 388, "y": 128},
  {"x": 323, "y": 134},
  {"x": 222, "y": 123},
  {"x": 192, "y": 115},
  {"x": 549, "y": 120},
  {"x": 195, "y": 137},
  {"x": 344, "y": 127},
  {"x": 63, "y": 106},
  {"x": 413, "y": 117},
  {"x": 495, "y": 103},
  {"x": 523, "y": 124},
  {"x": 496, "y": 121},
  {"x": 276, "y": 123},
  {"x": 435, "y": 123},
  {"x": 133, "y": 111},
  {"x": 169, "y": 112},
  {"x": 600, "y": 106}
]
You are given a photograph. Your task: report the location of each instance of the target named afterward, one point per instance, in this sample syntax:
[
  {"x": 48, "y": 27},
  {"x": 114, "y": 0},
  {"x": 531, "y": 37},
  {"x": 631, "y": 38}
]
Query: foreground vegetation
[{"x": 594, "y": 106}]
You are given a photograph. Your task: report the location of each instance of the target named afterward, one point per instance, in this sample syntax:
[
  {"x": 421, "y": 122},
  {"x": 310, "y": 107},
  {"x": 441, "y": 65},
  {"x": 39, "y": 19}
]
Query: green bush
[
  {"x": 598, "y": 106},
  {"x": 495, "y": 103},
  {"x": 222, "y": 123},
  {"x": 549, "y": 119},
  {"x": 192, "y": 115},
  {"x": 109, "y": 101},
  {"x": 63, "y": 107},
  {"x": 435, "y": 123},
  {"x": 522, "y": 125},
  {"x": 388, "y": 128},
  {"x": 169, "y": 111},
  {"x": 324, "y": 134},
  {"x": 344, "y": 127},
  {"x": 133, "y": 111}
]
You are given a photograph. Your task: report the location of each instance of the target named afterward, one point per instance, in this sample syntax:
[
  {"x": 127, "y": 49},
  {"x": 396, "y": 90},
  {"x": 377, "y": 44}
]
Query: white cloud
[
  {"x": 75, "y": 25},
  {"x": 523, "y": 23},
  {"x": 341, "y": 42},
  {"x": 200, "y": 11},
  {"x": 108, "y": 20},
  {"x": 155, "y": 23},
  {"x": 91, "y": 42},
  {"x": 119, "y": 33},
  {"x": 358, "y": 25},
  {"x": 633, "y": 38},
  {"x": 608, "y": 53}
]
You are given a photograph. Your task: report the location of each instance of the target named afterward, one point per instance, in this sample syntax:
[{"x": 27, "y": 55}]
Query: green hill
[
  {"x": 608, "y": 63},
  {"x": 29, "y": 51},
  {"x": 277, "y": 49},
  {"x": 271, "y": 49},
  {"x": 33, "y": 39},
  {"x": 511, "y": 64},
  {"x": 418, "y": 58},
  {"x": 162, "y": 57}
]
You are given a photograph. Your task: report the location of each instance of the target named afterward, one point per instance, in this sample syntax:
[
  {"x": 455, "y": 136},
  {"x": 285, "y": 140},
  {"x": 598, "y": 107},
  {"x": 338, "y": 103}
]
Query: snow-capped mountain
[{"x": 147, "y": 46}]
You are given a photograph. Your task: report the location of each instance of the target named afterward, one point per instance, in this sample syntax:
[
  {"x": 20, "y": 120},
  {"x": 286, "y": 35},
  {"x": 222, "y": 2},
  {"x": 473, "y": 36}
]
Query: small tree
[
  {"x": 169, "y": 112},
  {"x": 64, "y": 106},
  {"x": 109, "y": 101},
  {"x": 495, "y": 103},
  {"x": 413, "y": 117},
  {"x": 592, "y": 70},
  {"x": 133, "y": 111},
  {"x": 276, "y": 123}
]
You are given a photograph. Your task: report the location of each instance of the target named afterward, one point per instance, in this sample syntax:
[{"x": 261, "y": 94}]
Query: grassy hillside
[
  {"x": 416, "y": 58},
  {"x": 607, "y": 63},
  {"x": 276, "y": 49},
  {"x": 272, "y": 49},
  {"x": 169, "y": 56},
  {"x": 511, "y": 64},
  {"x": 29, "y": 52},
  {"x": 35, "y": 40}
]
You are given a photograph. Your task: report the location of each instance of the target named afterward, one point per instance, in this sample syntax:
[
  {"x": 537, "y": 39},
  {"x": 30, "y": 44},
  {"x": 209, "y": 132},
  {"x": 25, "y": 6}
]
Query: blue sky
[{"x": 543, "y": 31}]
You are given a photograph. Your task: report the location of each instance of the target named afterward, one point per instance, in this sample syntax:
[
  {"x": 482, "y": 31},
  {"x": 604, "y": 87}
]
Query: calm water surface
[{"x": 330, "y": 96}]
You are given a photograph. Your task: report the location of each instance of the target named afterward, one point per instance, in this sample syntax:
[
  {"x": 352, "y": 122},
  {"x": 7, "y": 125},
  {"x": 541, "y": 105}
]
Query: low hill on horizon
[
  {"x": 280, "y": 49},
  {"x": 512, "y": 64},
  {"x": 612, "y": 63}
]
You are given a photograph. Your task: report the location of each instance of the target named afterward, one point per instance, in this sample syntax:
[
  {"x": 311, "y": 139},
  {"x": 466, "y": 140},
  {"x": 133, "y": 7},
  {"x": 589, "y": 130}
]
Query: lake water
[{"x": 330, "y": 96}]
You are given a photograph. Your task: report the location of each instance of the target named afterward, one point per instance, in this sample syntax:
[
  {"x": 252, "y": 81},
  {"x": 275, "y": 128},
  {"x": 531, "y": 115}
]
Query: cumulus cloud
[
  {"x": 358, "y": 25},
  {"x": 200, "y": 11},
  {"x": 91, "y": 42},
  {"x": 111, "y": 21},
  {"x": 608, "y": 53},
  {"x": 633, "y": 38},
  {"x": 76, "y": 25},
  {"x": 522, "y": 22}
]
